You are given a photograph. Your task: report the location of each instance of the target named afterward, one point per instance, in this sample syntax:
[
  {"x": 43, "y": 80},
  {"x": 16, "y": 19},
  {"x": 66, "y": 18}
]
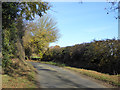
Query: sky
[{"x": 79, "y": 23}]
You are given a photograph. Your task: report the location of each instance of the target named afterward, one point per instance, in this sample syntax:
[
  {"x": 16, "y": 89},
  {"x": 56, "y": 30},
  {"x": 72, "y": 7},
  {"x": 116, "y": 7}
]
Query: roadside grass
[
  {"x": 35, "y": 57},
  {"x": 110, "y": 79},
  {"x": 19, "y": 76},
  {"x": 53, "y": 63},
  {"x": 17, "y": 82}
]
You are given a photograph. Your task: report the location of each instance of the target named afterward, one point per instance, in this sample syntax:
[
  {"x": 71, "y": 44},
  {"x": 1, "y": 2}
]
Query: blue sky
[{"x": 78, "y": 23}]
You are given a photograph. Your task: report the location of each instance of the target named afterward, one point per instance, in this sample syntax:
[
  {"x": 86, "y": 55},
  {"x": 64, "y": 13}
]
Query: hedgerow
[{"x": 102, "y": 55}]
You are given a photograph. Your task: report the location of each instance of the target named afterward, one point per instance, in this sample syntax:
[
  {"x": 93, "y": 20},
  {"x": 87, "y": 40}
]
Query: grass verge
[
  {"x": 53, "y": 63},
  {"x": 19, "y": 76},
  {"x": 110, "y": 79}
]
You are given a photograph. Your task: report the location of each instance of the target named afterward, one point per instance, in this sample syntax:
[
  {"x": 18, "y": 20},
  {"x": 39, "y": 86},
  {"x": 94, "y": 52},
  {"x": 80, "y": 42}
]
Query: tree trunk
[{"x": 20, "y": 51}]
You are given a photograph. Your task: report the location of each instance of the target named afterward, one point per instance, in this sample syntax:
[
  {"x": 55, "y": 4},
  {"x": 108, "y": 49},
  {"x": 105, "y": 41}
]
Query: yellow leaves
[{"x": 40, "y": 33}]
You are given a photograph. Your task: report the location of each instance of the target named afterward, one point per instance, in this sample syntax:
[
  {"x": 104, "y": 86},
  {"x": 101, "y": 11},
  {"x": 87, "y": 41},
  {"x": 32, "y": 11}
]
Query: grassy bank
[
  {"x": 19, "y": 76},
  {"x": 110, "y": 79}
]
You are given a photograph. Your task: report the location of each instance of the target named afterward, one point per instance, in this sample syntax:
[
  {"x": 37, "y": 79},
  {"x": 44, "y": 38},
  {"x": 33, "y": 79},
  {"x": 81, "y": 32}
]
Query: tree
[
  {"x": 114, "y": 7},
  {"x": 13, "y": 14},
  {"x": 39, "y": 34},
  {"x": 13, "y": 10}
]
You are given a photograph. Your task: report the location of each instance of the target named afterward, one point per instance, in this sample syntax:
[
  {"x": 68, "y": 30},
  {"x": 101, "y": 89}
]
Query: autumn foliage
[{"x": 102, "y": 56}]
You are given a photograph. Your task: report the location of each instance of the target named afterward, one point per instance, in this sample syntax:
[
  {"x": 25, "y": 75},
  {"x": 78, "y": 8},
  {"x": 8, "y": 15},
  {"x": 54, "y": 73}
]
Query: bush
[
  {"x": 6, "y": 61},
  {"x": 28, "y": 52},
  {"x": 102, "y": 55}
]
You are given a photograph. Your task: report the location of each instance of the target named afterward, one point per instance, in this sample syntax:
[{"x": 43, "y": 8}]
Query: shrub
[{"x": 102, "y": 55}]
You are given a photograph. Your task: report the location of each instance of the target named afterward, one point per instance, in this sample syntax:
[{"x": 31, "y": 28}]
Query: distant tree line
[{"x": 102, "y": 56}]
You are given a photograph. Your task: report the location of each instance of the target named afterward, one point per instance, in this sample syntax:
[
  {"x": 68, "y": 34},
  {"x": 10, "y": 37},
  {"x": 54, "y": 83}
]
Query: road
[{"x": 50, "y": 76}]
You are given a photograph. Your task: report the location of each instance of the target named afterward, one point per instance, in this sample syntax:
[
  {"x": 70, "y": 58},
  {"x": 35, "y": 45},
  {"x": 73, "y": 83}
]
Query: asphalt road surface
[{"x": 50, "y": 76}]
